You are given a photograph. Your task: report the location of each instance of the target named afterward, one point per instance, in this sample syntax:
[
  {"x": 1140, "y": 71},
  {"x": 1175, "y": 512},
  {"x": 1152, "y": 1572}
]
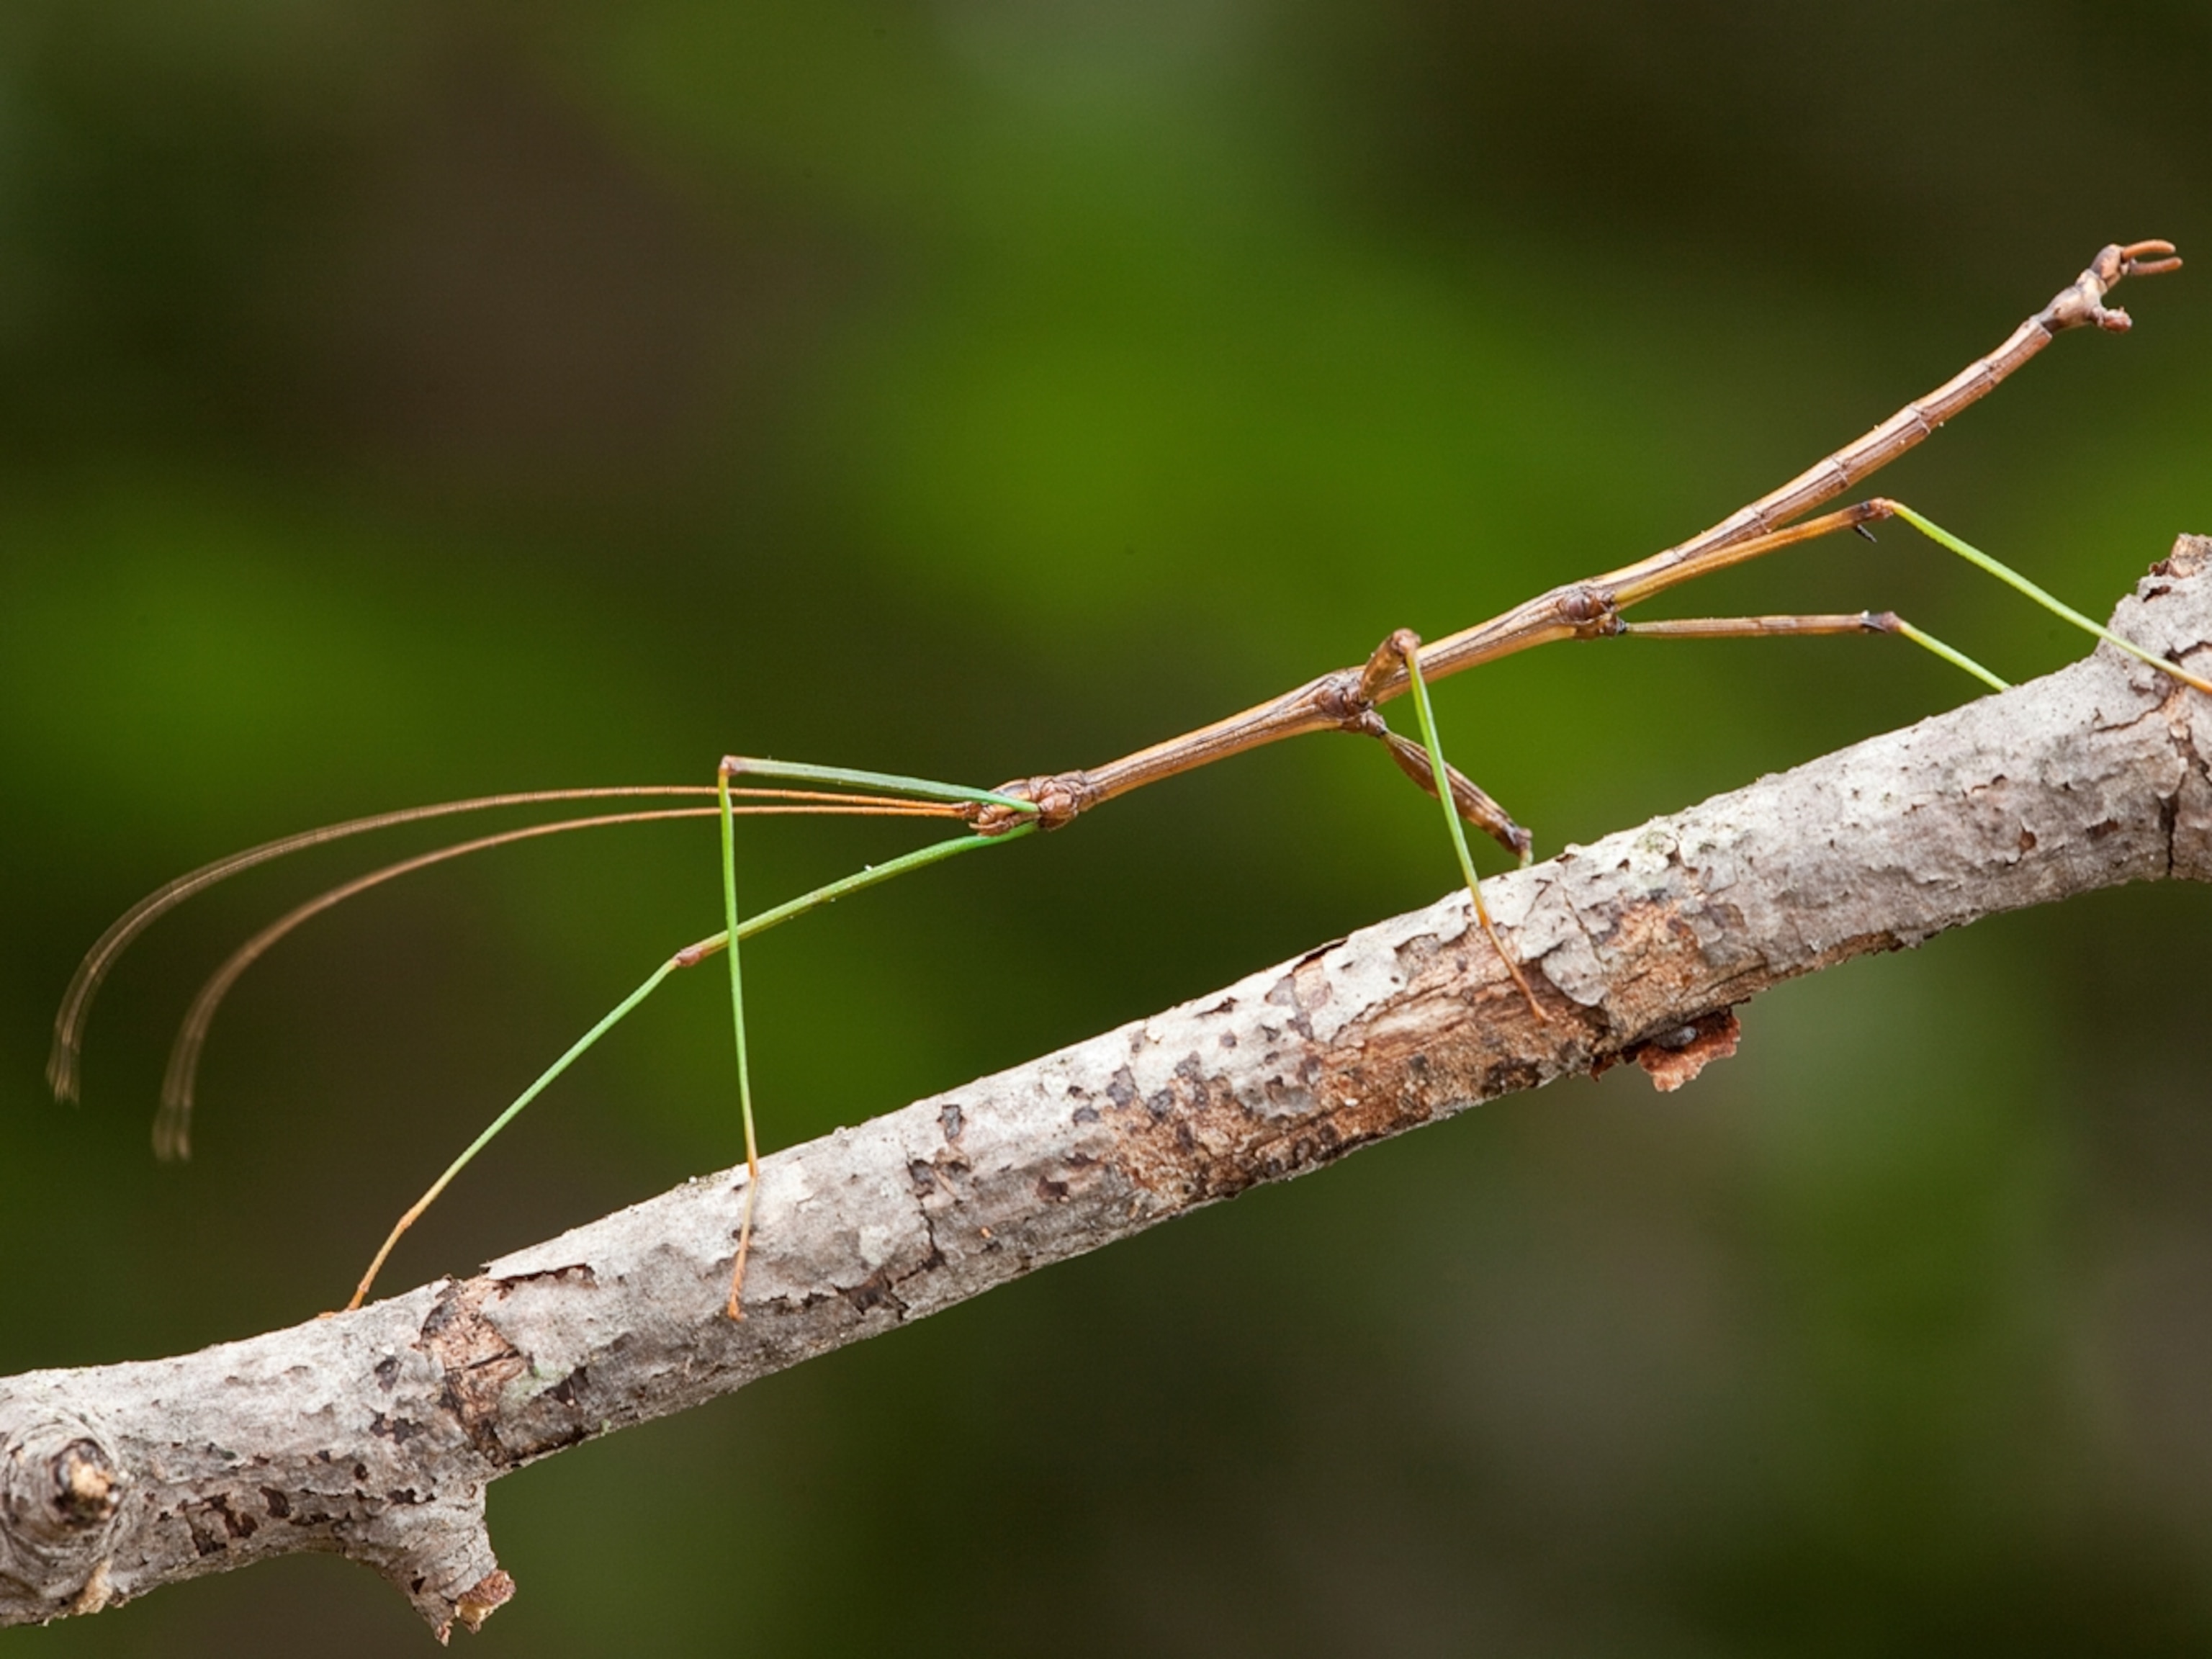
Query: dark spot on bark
[
  {"x": 1273, "y": 1033},
  {"x": 951, "y": 1121},
  {"x": 871, "y": 1292},
  {"x": 579, "y": 1271},
  {"x": 1121, "y": 1088},
  {"x": 397, "y": 1430},
  {"x": 415, "y": 1584},
  {"x": 87, "y": 1489},
  {"x": 571, "y": 1437},
  {"x": 1160, "y": 1105},
  {"x": 387, "y": 1371},
  {"x": 1223, "y": 1006},
  {"x": 402, "y": 1495},
  {"x": 1310, "y": 1070},
  {"x": 1190, "y": 1069},
  {"x": 564, "y": 1391},
  {"x": 1084, "y": 1115},
  {"x": 1418, "y": 1065},
  {"x": 1228, "y": 1039},
  {"x": 924, "y": 1177},
  {"x": 1080, "y": 1160},
  {"x": 2102, "y": 828},
  {"x": 276, "y": 1503},
  {"x": 360, "y": 1471},
  {"x": 2027, "y": 839},
  {"x": 238, "y": 1526},
  {"x": 1051, "y": 1191}
]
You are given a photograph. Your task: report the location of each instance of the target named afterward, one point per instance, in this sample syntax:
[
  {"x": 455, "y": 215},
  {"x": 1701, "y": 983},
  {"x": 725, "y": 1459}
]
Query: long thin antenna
[
  {"x": 172, "y": 1121},
  {"x": 61, "y": 1069}
]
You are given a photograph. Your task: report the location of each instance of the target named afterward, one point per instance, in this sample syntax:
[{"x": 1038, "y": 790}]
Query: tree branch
[{"x": 374, "y": 1434}]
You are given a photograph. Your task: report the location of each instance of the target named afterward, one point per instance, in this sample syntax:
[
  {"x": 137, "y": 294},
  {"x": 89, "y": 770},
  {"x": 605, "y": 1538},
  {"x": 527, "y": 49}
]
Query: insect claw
[
  {"x": 2133, "y": 262},
  {"x": 1862, "y": 531}
]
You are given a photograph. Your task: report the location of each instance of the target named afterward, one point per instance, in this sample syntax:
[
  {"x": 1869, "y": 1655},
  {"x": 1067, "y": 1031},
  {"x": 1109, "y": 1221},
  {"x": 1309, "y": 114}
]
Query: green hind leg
[
  {"x": 691, "y": 955},
  {"x": 1406, "y": 645},
  {"x": 2013, "y": 579}
]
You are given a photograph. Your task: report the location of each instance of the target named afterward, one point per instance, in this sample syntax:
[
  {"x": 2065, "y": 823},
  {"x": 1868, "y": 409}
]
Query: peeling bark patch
[
  {"x": 481, "y": 1599},
  {"x": 479, "y": 1365},
  {"x": 1673, "y": 1060}
]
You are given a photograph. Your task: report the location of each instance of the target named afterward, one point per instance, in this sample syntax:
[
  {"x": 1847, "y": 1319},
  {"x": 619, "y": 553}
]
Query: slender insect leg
[
  {"x": 2056, "y": 607},
  {"x": 738, "y": 765},
  {"x": 851, "y": 778},
  {"x": 1769, "y": 628},
  {"x": 735, "y": 1307},
  {"x": 172, "y": 1123},
  {"x": 689, "y": 956},
  {"x": 1404, "y": 646},
  {"x": 575, "y": 1052},
  {"x": 1469, "y": 799}
]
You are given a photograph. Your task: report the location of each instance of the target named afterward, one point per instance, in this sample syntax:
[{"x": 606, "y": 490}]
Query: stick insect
[{"x": 1349, "y": 700}]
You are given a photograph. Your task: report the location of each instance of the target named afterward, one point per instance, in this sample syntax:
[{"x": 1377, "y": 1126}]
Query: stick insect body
[{"x": 1350, "y": 700}]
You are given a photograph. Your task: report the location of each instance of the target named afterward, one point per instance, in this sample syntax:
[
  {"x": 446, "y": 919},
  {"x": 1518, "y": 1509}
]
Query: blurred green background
[{"x": 400, "y": 401}]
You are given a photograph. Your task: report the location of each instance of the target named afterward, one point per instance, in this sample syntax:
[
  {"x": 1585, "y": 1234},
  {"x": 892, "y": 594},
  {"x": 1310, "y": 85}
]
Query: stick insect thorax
[{"x": 1349, "y": 700}]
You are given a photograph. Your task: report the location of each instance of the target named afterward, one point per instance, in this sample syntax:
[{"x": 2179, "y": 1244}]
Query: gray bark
[{"x": 374, "y": 1434}]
